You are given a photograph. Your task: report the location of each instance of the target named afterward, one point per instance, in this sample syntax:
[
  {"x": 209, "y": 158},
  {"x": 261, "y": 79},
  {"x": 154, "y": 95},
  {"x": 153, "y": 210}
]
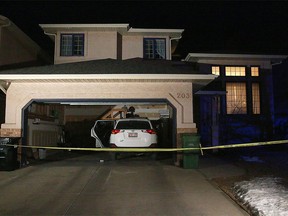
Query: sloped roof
[
  {"x": 109, "y": 70},
  {"x": 112, "y": 66}
]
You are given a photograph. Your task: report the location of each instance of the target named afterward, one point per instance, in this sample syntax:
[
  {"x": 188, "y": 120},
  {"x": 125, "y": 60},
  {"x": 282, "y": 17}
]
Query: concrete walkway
[{"x": 131, "y": 186}]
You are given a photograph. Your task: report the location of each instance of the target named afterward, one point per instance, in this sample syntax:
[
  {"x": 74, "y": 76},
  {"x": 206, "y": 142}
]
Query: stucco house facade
[
  {"x": 83, "y": 42},
  {"x": 96, "y": 65}
]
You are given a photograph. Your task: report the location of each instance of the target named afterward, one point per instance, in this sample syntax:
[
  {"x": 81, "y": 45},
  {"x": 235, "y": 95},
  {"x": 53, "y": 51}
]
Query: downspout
[{"x": 177, "y": 38}]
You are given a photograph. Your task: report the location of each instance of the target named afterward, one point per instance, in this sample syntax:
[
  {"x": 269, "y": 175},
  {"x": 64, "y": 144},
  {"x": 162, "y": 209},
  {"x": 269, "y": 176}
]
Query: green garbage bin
[{"x": 191, "y": 158}]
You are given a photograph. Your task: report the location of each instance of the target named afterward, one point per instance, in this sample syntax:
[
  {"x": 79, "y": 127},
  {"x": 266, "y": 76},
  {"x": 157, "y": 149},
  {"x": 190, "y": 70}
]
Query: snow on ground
[{"x": 265, "y": 196}]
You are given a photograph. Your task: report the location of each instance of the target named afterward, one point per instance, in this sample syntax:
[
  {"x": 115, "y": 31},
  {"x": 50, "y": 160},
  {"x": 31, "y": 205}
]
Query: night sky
[{"x": 255, "y": 27}]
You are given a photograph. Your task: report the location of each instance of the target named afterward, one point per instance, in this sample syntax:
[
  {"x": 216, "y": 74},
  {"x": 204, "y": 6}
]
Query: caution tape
[{"x": 241, "y": 145}]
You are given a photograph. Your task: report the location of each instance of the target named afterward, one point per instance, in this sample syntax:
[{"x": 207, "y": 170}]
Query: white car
[{"x": 133, "y": 133}]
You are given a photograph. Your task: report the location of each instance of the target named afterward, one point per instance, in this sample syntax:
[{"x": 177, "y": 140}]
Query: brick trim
[
  {"x": 186, "y": 130},
  {"x": 10, "y": 132}
]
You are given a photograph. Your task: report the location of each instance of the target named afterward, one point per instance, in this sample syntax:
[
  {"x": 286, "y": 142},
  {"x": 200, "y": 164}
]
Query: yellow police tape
[{"x": 277, "y": 142}]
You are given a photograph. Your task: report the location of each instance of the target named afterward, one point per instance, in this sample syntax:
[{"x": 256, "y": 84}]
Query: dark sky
[{"x": 259, "y": 27}]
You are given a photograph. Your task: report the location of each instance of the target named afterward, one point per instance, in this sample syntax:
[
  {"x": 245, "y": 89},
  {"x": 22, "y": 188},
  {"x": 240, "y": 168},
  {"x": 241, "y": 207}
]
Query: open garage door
[{"x": 68, "y": 123}]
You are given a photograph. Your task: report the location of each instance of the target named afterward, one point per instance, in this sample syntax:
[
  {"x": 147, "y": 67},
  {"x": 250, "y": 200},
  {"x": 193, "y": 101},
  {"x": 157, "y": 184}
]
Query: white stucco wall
[
  {"x": 132, "y": 47},
  {"x": 103, "y": 45},
  {"x": 178, "y": 93}
]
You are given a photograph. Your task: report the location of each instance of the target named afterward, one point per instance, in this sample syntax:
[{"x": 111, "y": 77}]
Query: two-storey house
[{"x": 99, "y": 66}]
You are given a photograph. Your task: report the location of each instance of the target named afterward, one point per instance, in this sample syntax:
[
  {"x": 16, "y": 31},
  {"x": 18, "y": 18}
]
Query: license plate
[{"x": 133, "y": 135}]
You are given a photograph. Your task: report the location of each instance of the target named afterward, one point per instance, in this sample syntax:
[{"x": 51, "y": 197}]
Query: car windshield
[{"x": 133, "y": 125}]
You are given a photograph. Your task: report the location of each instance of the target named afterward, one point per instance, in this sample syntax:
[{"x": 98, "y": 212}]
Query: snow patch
[{"x": 264, "y": 196}]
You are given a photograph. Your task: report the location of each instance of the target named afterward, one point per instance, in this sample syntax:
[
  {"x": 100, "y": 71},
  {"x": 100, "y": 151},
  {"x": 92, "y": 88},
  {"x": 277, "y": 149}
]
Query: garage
[
  {"x": 60, "y": 95},
  {"x": 69, "y": 123}
]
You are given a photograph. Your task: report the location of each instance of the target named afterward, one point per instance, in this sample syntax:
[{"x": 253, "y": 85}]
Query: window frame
[
  {"x": 73, "y": 45},
  {"x": 219, "y": 70},
  {"x": 235, "y": 66},
  {"x": 256, "y": 99},
  {"x": 254, "y": 104},
  {"x": 254, "y": 66},
  {"x": 145, "y": 54}
]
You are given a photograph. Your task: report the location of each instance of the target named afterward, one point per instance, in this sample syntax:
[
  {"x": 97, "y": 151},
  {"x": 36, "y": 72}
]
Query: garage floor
[{"x": 82, "y": 185}]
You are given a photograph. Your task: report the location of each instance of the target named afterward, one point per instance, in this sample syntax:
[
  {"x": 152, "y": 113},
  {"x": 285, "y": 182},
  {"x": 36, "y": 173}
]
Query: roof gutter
[
  {"x": 51, "y": 34},
  {"x": 171, "y": 77}
]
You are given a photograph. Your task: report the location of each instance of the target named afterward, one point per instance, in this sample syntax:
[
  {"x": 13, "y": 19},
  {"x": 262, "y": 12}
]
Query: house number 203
[{"x": 184, "y": 95}]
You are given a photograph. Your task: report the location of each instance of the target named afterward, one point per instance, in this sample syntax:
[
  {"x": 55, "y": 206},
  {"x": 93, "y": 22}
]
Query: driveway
[{"x": 85, "y": 185}]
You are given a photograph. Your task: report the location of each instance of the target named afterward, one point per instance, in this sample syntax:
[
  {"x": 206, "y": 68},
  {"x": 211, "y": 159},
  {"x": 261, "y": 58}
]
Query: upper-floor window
[
  {"x": 216, "y": 70},
  {"x": 254, "y": 71},
  {"x": 235, "y": 71},
  {"x": 72, "y": 45},
  {"x": 154, "y": 48}
]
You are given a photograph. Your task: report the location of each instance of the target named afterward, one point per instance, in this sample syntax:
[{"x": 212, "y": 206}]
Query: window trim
[
  {"x": 154, "y": 39},
  {"x": 73, "y": 46}
]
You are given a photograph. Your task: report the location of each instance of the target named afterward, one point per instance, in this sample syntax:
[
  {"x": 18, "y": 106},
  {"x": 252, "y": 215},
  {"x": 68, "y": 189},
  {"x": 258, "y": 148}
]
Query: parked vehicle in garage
[{"x": 132, "y": 133}]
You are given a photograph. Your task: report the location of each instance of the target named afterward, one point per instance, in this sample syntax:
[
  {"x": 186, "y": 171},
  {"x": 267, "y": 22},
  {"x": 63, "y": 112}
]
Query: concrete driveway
[{"x": 82, "y": 185}]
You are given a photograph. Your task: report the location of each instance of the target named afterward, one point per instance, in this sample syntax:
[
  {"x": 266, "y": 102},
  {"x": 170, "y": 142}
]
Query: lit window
[
  {"x": 154, "y": 48},
  {"x": 236, "y": 98},
  {"x": 255, "y": 98},
  {"x": 254, "y": 71},
  {"x": 72, "y": 45},
  {"x": 235, "y": 71},
  {"x": 216, "y": 70}
]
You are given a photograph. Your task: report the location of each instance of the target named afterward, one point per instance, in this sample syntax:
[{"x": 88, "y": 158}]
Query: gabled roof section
[
  {"x": 112, "y": 66},
  {"x": 123, "y": 29}
]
